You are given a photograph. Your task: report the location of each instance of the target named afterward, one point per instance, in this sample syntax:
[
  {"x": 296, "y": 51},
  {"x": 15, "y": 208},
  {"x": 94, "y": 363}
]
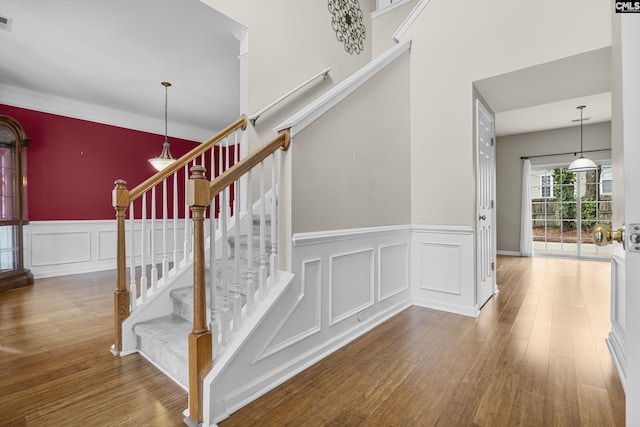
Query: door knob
[{"x": 603, "y": 235}]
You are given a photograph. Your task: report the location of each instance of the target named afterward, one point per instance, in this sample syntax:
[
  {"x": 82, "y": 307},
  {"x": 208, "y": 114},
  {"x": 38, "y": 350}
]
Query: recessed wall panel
[
  {"x": 60, "y": 248},
  {"x": 351, "y": 287},
  {"x": 394, "y": 270},
  {"x": 441, "y": 266}
]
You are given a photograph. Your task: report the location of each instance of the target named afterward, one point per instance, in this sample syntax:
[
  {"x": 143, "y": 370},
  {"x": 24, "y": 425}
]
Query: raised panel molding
[
  {"x": 291, "y": 331},
  {"x": 393, "y": 270},
  {"x": 440, "y": 266},
  {"x": 60, "y": 248},
  {"x": 351, "y": 284},
  {"x": 616, "y": 341},
  {"x": 57, "y": 248}
]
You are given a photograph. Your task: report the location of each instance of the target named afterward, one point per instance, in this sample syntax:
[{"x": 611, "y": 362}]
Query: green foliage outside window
[{"x": 564, "y": 191}]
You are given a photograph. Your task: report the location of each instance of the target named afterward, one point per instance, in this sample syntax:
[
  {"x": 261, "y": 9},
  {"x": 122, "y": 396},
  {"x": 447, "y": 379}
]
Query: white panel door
[
  {"x": 630, "y": 34},
  {"x": 485, "y": 178}
]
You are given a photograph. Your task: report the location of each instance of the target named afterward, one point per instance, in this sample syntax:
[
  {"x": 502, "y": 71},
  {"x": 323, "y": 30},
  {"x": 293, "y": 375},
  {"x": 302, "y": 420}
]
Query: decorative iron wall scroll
[{"x": 347, "y": 23}]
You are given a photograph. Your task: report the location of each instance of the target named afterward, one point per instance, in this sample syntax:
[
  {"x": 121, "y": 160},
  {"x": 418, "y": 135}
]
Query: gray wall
[
  {"x": 351, "y": 168},
  {"x": 509, "y": 149}
]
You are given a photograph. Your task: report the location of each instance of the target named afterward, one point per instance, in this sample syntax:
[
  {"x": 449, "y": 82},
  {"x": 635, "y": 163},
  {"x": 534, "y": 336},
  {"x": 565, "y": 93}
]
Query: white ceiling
[
  {"x": 546, "y": 96},
  {"x": 114, "y": 54}
]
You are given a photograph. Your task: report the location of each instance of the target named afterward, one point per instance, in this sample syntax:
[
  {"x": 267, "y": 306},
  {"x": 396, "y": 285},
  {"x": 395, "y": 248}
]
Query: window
[
  {"x": 546, "y": 186},
  {"x": 565, "y": 207},
  {"x": 605, "y": 180}
]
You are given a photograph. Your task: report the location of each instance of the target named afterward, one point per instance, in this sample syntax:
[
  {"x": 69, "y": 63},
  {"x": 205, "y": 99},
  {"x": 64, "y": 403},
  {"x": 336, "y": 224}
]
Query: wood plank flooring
[
  {"x": 55, "y": 364},
  {"x": 536, "y": 356}
]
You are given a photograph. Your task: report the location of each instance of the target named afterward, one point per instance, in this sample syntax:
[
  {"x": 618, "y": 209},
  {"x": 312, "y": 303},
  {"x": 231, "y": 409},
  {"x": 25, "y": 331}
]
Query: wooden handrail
[
  {"x": 136, "y": 192},
  {"x": 243, "y": 166}
]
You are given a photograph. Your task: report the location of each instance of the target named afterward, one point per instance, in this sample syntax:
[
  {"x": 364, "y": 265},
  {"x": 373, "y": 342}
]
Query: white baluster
[
  {"x": 237, "y": 287},
  {"x": 228, "y": 189},
  {"x": 165, "y": 261},
  {"x": 143, "y": 249},
  {"x": 273, "y": 264},
  {"x": 175, "y": 221},
  {"x": 250, "y": 292},
  {"x": 154, "y": 267},
  {"x": 186, "y": 215},
  {"x": 225, "y": 312},
  {"x": 132, "y": 260},
  {"x": 262, "y": 271},
  {"x": 213, "y": 321}
]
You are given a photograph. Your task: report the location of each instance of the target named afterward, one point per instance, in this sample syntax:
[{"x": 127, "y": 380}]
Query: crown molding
[{"x": 46, "y": 103}]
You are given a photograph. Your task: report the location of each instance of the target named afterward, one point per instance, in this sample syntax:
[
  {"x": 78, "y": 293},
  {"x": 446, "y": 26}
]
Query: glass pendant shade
[
  {"x": 582, "y": 164},
  {"x": 165, "y": 158}
]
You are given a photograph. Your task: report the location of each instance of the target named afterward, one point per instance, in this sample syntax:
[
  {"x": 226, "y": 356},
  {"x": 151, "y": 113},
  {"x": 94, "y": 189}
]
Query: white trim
[
  {"x": 509, "y": 253},
  {"x": 449, "y": 308},
  {"x": 444, "y": 229},
  {"x": 409, "y": 20},
  {"x": 316, "y": 237},
  {"x": 328, "y": 100},
  {"x": 32, "y": 100},
  {"x": 389, "y": 8}
]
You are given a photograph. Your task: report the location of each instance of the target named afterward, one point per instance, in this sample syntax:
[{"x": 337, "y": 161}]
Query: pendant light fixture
[
  {"x": 165, "y": 158},
  {"x": 582, "y": 164}
]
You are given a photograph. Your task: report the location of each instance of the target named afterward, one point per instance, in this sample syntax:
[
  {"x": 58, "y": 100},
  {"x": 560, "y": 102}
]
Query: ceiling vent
[{"x": 5, "y": 23}]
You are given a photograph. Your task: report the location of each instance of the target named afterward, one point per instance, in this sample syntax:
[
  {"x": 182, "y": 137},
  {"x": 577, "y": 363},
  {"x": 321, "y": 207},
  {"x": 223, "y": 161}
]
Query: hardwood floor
[
  {"x": 536, "y": 356},
  {"x": 55, "y": 364}
]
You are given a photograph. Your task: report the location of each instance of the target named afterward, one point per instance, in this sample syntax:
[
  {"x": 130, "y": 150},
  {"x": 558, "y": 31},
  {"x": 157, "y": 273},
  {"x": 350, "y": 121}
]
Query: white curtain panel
[{"x": 526, "y": 238}]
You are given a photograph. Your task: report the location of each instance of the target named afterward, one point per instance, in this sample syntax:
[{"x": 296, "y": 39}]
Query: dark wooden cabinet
[{"x": 13, "y": 204}]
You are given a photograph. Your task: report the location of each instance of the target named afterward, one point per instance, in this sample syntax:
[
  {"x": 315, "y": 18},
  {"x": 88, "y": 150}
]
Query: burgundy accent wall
[{"x": 72, "y": 163}]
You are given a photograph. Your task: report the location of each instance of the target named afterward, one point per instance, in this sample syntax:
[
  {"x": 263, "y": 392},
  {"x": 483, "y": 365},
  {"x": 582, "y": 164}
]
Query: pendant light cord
[
  {"x": 166, "y": 97},
  {"x": 581, "y": 150},
  {"x": 166, "y": 102}
]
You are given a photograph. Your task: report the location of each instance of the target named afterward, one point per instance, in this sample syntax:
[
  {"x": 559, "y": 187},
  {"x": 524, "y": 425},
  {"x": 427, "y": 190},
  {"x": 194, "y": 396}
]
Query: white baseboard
[{"x": 509, "y": 253}]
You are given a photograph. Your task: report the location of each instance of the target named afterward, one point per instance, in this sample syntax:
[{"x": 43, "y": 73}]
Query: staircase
[{"x": 164, "y": 340}]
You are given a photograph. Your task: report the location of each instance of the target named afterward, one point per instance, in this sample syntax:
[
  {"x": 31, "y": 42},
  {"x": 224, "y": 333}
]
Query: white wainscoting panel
[
  {"x": 443, "y": 269},
  {"x": 57, "y": 248},
  {"x": 351, "y": 284},
  {"x": 616, "y": 341},
  {"x": 303, "y": 318},
  {"x": 441, "y": 263},
  {"x": 393, "y": 270},
  {"x": 60, "y": 248}
]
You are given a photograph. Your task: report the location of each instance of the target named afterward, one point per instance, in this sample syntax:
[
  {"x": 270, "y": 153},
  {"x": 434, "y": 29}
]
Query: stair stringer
[{"x": 265, "y": 310}]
